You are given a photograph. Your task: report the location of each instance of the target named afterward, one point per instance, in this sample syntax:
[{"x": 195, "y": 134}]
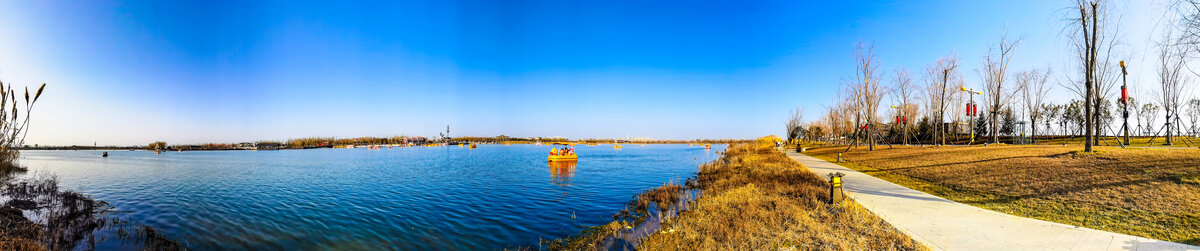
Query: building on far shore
[
  {"x": 641, "y": 139},
  {"x": 267, "y": 146}
]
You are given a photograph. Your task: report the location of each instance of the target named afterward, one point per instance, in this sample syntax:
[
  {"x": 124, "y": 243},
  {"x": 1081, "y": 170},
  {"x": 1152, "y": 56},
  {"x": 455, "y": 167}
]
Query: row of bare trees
[{"x": 942, "y": 100}]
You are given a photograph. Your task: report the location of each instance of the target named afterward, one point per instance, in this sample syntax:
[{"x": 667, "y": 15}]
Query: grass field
[
  {"x": 756, "y": 198},
  {"x": 1176, "y": 141},
  {"x": 1143, "y": 192}
]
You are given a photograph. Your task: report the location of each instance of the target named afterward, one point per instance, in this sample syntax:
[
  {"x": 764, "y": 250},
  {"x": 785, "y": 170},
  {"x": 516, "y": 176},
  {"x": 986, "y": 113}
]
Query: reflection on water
[
  {"x": 561, "y": 172},
  {"x": 415, "y": 198}
]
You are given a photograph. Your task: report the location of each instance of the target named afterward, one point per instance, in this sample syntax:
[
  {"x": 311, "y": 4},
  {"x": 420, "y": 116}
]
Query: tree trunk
[
  {"x": 1032, "y": 129},
  {"x": 1089, "y": 70},
  {"x": 1168, "y": 127},
  {"x": 996, "y": 119}
]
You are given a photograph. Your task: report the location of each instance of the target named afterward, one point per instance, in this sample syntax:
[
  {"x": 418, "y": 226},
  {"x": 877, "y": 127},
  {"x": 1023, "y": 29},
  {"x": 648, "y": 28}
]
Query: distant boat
[
  {"x": 104, "y": 154},
  {"x": 473, "y": 146},
  {"x": 617, "y": 146}
]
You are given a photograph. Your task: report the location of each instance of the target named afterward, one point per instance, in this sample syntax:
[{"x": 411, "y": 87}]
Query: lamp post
[
  {"x": 1124, "y": 103},
  {"x": 903, "y": 120},
  {"x": 971, "y": 108}
]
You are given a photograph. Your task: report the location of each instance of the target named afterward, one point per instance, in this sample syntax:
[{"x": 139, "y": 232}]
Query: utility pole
[
  {"x": 1124, "y": 103},
  {"x": 971, "y": 109}
]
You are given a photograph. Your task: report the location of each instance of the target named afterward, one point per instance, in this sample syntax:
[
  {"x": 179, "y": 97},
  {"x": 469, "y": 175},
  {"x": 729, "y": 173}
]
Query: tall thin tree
[
  {"x": 1032, "y": 84},
  {"x": 993, "y": 72}
]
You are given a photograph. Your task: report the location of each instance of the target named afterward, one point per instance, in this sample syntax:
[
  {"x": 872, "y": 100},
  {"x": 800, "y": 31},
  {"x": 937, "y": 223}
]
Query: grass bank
[
  {"x": 753, "y": 197},
  {"x": 1143, "y": 192}
]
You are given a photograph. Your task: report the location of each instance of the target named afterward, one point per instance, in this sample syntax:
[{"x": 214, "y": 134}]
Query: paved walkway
[{"x": 946, "y": 225}]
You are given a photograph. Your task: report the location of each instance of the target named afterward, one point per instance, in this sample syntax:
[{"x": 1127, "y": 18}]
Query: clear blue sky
[{"x": 209, "y": 71}]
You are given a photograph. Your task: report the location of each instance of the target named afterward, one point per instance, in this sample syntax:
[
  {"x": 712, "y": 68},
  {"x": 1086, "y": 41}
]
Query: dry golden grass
[
  {"x": 1144, "y": 192},
  {"x": 1177, "y": 141},
  {"x": 756, "y": 198}
]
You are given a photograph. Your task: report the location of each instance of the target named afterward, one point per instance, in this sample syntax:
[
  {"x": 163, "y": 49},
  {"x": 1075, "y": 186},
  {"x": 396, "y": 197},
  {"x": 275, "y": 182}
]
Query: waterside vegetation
[
  {"x": 753, "y": 197},
  {"x": 36, "y": 214}
]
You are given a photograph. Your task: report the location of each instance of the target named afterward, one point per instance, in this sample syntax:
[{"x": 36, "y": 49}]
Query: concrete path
[{"x": 946, "y": 225}]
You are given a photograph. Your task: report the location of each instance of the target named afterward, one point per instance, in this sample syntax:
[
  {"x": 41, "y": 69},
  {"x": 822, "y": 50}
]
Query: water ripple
[{"x": 401, "y": 198}]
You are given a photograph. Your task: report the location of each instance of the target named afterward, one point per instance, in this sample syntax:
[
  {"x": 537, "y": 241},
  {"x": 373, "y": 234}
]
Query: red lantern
[{"x": 1124, "y": 95}]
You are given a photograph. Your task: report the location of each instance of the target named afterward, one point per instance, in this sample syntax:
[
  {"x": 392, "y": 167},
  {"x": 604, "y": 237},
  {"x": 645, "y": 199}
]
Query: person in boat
[{"x": 553, "y": 151}]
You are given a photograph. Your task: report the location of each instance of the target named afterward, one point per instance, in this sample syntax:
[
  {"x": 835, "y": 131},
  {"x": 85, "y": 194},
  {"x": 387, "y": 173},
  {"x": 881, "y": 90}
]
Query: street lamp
[
  {"x": 1124, "y": 104},
  {"x": 903, "y": 120},
  {"x": 972, "y": 110}
]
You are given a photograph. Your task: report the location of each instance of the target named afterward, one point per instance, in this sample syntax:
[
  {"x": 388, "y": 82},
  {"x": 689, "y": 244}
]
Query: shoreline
[{"x": 752, "y": 197}]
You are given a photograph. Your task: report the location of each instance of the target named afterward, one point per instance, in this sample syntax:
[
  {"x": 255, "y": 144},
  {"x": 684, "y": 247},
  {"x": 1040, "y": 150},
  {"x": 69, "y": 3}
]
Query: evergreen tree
[
  {"x": 981, "y": 125},
  {"x": 924, "y": 130},
  {"x": 1008, "y": 123}
]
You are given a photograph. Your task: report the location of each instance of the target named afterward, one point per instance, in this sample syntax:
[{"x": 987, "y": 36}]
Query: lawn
[
  {"x": 1143, "y": 192},
  {"x": 1177, "y": 141},
  {"x": 755, "y": 198}
]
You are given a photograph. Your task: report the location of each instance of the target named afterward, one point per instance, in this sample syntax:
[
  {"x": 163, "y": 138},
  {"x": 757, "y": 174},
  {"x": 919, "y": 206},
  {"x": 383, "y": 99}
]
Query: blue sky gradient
[{"x": 122, "y": 73}]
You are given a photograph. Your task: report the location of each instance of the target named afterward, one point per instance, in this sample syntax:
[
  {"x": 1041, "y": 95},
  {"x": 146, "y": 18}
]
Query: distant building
[
  {"x": 267, "y": 145},
  {"x": 415, "y": 140},
  {"x": 641, "y": 139}
]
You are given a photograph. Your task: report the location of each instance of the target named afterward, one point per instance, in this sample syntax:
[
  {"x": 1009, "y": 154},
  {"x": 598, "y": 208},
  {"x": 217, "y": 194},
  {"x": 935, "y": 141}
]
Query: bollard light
[
  {"x": 839, "y": 160},
  {"x": 836, "y": 195}
]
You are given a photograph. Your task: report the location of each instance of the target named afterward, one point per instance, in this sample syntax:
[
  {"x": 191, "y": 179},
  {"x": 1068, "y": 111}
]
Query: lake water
[{"x": 453, "y": 197}]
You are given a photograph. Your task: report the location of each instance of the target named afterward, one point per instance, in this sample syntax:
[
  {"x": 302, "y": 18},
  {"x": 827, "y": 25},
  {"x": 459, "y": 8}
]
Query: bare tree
[
  {"x": 1051, "y": 112},
  {"x": 1189, "y": 24},
  {"x": 853, "y": 109},
  {"x": 1193, "y": 115},
  {"x": 795, "y": 123},
  {"x": 993, "y": 72},
  {"x": 1033, "y": 86},
  {"x": 1132, "y": 103},
  {"x": 1148, "y": 112},
  {"x": 902, "y": 89},
  {"x": 1172, "y": 61},
  {"x": 939, "y": 77},
  {"x": 1088, "y": 34},
  {"x": 869, "y": 93}
]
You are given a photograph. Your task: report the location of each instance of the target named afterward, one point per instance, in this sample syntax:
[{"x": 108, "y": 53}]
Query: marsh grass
[
  {"x": 754, "y": 197},
  {"x": 37, "y": 215},
  {"x": 1143, "y": 192}
]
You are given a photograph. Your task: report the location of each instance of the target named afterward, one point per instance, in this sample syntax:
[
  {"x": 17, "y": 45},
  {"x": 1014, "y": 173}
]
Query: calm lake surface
[{"x": 453, "y": 197}]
